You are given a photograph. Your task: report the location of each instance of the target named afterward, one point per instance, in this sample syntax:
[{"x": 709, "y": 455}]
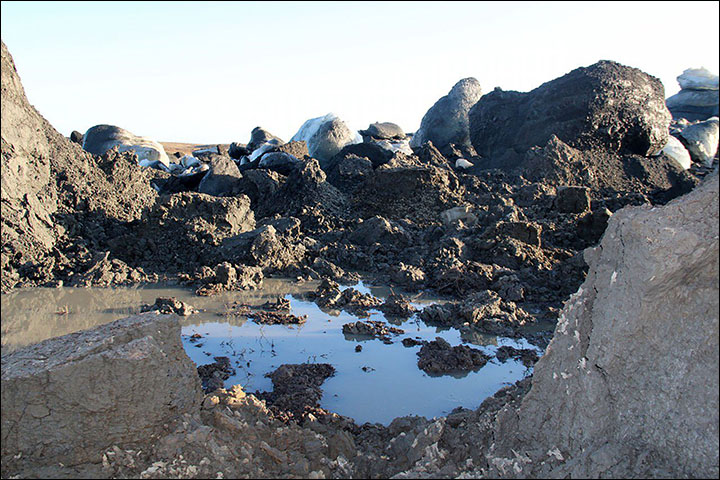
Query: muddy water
[{"x": 376, "y": 384}]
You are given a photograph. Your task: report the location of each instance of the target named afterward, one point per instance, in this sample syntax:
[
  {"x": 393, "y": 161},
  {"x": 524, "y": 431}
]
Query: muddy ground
[{"x": 504, "y": 245}]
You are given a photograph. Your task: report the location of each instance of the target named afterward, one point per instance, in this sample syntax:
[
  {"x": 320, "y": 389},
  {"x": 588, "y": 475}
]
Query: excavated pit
[{"x": 503, "y": 241}]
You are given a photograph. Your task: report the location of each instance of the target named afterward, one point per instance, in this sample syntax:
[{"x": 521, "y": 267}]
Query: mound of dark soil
[{"x": 296, "y": 387}]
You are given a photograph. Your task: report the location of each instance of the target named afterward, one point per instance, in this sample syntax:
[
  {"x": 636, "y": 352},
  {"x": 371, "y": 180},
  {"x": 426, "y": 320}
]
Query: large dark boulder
[
  {"x": 446, "y": 122},
  {"x": 76, "y": 137},
  {"x": 604, "y": 106},
  {"x": 325, "y": 137}
]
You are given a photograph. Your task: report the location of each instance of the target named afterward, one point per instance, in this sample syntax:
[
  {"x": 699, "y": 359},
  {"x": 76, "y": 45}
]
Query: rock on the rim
[
  {"x": 280, "y": 162},
  {"x": 259, "y": 136},
  {"x": 76, "y": 137},
  {"x": 222, "y": 177},
  {"x": 606, "y": 105},
  {"x": 206, "y": 152},
  {"x": 677, "y": 151},
  {"x": 693, "y": 105},
  {"x": 329, "y": 139},
  {"x": 701, "y": 140},
  {"x": 372, "y": 151},
  {"x": 238, "y": 150},
  {"x": 68, "y": 399},
  {"x": 101, "y": 138},
  {"x": 446, "y": 122},
  {"x": 382, "y": 131},
  {"x": 628, "y": 387},
  {"x": 325, "y": 137}
]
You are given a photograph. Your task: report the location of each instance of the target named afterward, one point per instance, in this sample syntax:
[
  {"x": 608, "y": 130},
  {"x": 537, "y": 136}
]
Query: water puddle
[{"x": 376, "y": 384}]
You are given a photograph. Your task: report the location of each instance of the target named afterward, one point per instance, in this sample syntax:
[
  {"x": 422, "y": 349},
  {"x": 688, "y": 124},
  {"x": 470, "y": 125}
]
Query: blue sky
[{"x": 209, "y": 72}]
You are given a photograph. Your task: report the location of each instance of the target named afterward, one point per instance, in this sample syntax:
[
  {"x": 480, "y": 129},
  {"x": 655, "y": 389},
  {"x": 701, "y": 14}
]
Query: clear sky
[{"x": 209, "y": 72}]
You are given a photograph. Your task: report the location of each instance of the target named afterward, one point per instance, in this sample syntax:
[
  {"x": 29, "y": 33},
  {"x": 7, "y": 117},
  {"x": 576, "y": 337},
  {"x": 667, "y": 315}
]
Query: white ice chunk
[
  {"x": 698, "y": 79},
  {"x": 462, "y": 163},
  {"x": 402, "y": 146},
  {"x": 310, "y": 127},
  {"x": 677, "y": 151},
  {"x": 258, "y": 152},
  {"x": 189, "y": 161},
  {"x": 176, "y": 168}
]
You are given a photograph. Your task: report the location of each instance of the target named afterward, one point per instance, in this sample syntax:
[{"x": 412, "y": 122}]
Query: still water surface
[{"x": 377, "y": 384}]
